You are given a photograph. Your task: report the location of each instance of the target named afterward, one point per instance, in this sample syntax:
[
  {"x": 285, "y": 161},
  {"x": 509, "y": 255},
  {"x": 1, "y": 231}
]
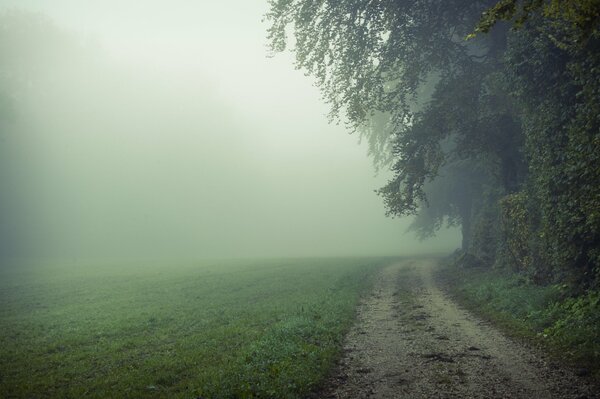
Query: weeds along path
[{"x": 412, "y": 341}]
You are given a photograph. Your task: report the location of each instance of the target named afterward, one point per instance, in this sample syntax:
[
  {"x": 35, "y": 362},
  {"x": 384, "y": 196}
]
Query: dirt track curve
[{"x": 412, "y": 341}]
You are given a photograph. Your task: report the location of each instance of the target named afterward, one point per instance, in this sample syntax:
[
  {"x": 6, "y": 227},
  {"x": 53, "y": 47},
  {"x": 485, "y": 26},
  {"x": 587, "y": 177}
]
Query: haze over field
[
  {"x": 179, "y": 219},
  {"x": 163, "y": 130}
]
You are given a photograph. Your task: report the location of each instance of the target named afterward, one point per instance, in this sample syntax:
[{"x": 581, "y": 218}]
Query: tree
[
  {"x": 520, "y": 106},
  {"x": 580, "y": 18},
  {"x": 557, "y": 89},
  {"x": 376, "y": 57},
  {"x": 32, "y": 62},
  {"x": 450, "y": 199}
]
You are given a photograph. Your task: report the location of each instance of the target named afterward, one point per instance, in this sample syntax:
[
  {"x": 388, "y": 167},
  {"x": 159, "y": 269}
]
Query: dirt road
[{"x": 412, "y": 341}]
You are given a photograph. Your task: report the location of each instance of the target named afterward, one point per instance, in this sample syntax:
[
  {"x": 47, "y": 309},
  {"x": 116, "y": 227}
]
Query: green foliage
[
  {"x": 575, "y": 326},
  {"x": 456, "y": 197},
  {"x": 370, "y": 58},
  {"x": 224, "y": 329},
  {"x": 522, "y": 106},
  {"x": 516, "y": 230},
  {"x": 566, "y": 325},
  {"x": 506, "y": 10},
  {"x": 509, "y": 294},
  {"x": 404, "y": 60},
  {"x": 485, "y": 232},
  {"x": 443, "y": 200},
  {"x": 579, "y": 17},
  {"x": 376, "y": 130},
  {"x": 558, "y": 91}
]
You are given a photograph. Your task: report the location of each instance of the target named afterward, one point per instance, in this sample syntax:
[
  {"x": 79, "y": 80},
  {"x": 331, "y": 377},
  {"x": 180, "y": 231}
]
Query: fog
[{"x": 136, "y": 130}]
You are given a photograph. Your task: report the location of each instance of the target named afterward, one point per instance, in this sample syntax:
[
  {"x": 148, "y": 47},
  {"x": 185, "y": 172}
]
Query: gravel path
[{"x": 412, "y": 341}]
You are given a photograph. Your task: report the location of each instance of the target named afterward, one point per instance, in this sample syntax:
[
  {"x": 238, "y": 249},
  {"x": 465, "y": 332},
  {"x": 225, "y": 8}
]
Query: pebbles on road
[{"x": 412, "y": 341}]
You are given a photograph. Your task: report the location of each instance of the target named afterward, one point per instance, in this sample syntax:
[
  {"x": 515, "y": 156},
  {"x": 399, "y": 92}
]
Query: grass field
[{"x": 222, "y": 329}]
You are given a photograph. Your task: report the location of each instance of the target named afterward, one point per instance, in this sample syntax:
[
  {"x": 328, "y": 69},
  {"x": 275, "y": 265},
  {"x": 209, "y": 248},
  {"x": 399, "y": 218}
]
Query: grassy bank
[
  {"x": 565, "y": 325},
  {"x": 222, "y": 329}
]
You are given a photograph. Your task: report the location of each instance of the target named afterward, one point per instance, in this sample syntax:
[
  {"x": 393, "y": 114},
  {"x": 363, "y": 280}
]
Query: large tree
[
  {"x": 516, "y": 89},
  {"x": 374, "y": 57}
]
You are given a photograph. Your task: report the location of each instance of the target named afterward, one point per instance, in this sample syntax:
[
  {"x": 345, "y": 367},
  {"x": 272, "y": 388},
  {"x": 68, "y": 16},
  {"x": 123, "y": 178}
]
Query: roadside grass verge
[
  {"x": 568, "y": 327},
  {"x": 223, "y": 329}
]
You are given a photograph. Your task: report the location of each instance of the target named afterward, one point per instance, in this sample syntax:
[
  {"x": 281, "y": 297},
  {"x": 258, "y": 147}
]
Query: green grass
[
  {"x": 567, "y": 326},
  {"x": 229, "y": 329}
]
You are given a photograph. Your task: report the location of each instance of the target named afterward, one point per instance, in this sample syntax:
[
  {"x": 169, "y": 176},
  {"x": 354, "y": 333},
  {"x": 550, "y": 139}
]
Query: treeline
[{"x": 487, "y": 112}]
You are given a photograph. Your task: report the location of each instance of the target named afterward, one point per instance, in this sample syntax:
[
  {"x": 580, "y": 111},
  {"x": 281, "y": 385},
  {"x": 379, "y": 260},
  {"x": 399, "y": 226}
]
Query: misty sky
[{"x": 181, "y": 139}]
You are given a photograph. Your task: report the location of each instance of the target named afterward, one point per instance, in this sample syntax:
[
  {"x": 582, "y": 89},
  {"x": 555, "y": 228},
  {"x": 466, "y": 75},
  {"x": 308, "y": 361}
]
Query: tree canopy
[{"x": 485, "y": 110}]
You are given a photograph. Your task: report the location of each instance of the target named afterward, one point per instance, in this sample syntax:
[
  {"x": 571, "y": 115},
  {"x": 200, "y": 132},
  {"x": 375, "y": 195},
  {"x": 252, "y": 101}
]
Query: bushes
[
  {"x": 575, "y": 326},
  {"x": 516, "y": 231},
  {"x": 564, "y": 324},
  {"x": 486, "y": 233},
  {"x": 553, "y": 224}
]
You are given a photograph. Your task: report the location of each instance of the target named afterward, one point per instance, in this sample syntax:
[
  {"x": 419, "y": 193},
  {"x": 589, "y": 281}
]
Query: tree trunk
[
  {"x": 466, "y": 230},
  {"x": 465, "y": 209}
]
